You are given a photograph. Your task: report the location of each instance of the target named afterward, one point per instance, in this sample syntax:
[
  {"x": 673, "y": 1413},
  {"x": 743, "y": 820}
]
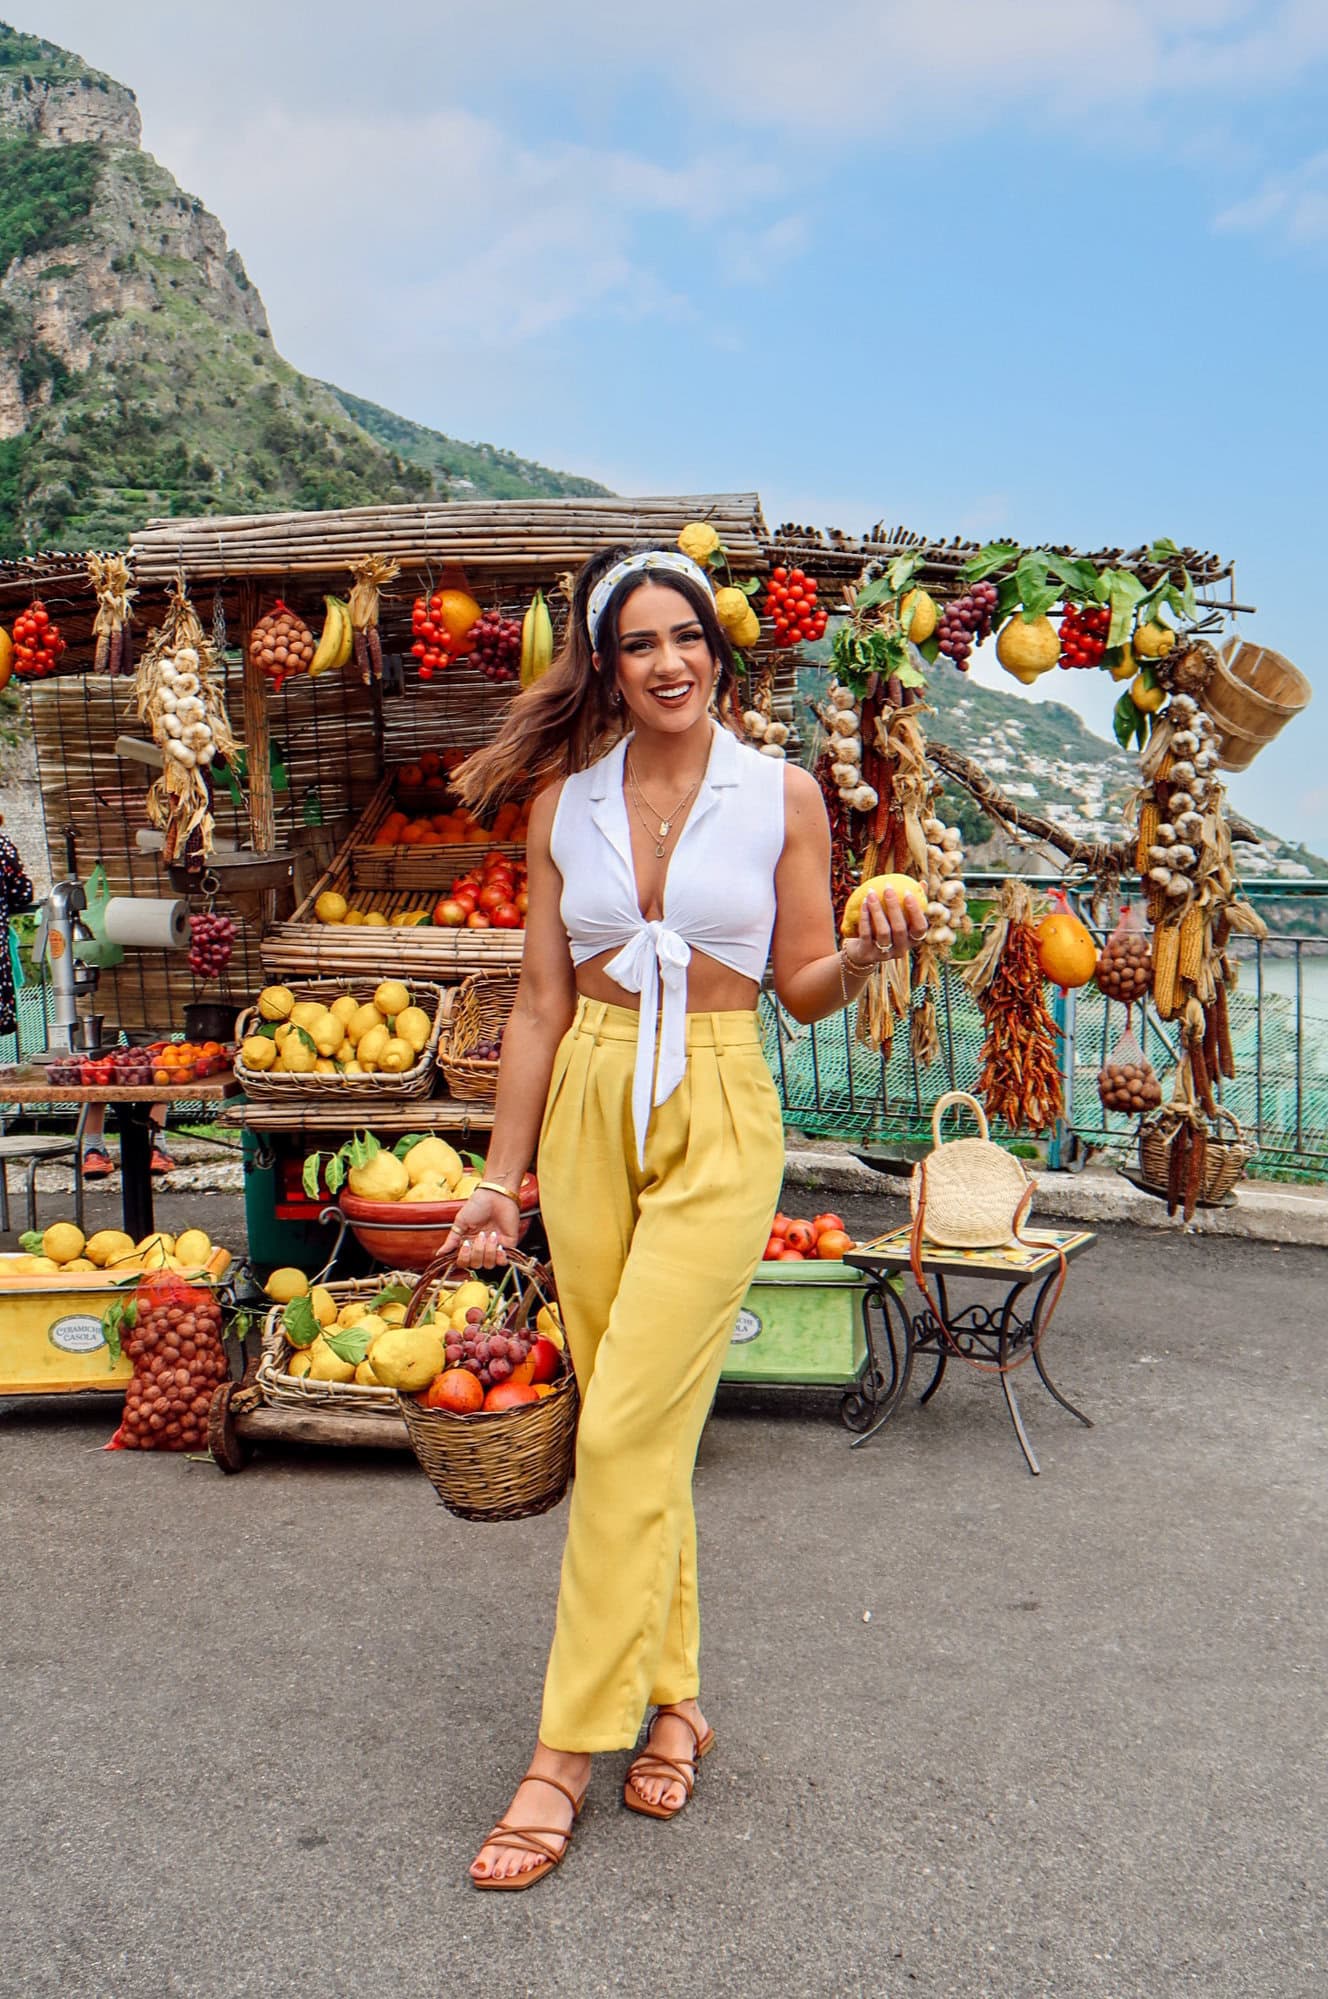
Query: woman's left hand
[{"x": 887, "y": 928}]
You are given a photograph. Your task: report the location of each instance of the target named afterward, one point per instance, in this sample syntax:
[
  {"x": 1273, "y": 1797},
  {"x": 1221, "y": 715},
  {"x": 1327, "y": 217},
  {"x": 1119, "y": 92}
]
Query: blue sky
[{"x": 984, "y": 267}]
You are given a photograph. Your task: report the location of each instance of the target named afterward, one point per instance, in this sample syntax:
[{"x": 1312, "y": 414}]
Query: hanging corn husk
[
  {"x": 178, "y": 693},
  {"x": 109, "y": 575},
  {"x": 370, "y": 575}
]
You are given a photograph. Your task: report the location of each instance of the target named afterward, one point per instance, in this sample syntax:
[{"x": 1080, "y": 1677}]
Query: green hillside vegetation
[
  {"x": 30, "y": 60},
  {"x": 46, "y": 194},
  {"x": 501, "y": 475}
]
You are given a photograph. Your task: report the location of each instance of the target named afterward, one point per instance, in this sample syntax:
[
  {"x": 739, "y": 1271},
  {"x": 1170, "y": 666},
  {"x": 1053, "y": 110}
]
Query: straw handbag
[{"x": 970, "y": 1194}]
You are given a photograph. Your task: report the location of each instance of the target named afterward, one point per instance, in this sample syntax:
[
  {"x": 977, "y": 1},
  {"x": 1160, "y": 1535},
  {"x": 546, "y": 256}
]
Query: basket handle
[
  {"x": 948, "y": 1097},
  {"x": 1231, "y": 1118},
  {"x": 538, "y": 1279}
]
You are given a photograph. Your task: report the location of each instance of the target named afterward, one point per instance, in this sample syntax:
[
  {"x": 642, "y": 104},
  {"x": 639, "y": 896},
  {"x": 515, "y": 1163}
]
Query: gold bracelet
[
  {"x": 497, "y": 1187},
  {"x": 858, "y": 971}
]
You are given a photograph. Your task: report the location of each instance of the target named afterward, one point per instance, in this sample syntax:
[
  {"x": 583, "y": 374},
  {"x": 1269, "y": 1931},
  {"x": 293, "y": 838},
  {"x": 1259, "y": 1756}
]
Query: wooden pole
[{"x": 257, "y": 733}]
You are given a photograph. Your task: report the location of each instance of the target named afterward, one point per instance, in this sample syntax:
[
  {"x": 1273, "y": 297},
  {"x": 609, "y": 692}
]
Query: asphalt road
[{"x": 981, "y": 1736}]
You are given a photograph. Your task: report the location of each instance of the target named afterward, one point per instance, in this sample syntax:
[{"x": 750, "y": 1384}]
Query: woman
[{"x": 667, "y": 861}]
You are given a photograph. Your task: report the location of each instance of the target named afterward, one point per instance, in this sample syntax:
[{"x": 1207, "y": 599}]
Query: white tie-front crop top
[{"x": 719, "y": 893}]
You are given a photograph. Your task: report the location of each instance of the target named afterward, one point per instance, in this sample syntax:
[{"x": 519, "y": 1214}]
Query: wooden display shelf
[{"x": 424, "y": 1114}]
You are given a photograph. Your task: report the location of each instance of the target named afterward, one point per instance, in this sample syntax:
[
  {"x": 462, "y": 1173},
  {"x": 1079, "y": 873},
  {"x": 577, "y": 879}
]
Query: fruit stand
[{"x": 302, "y": 686}]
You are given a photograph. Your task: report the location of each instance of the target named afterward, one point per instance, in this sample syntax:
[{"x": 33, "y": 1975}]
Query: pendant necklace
[{"x": 665, "y": 820}]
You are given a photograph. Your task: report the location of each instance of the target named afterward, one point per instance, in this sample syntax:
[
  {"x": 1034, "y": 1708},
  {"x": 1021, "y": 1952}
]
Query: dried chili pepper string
[{"x": 1020, "y": 1080}]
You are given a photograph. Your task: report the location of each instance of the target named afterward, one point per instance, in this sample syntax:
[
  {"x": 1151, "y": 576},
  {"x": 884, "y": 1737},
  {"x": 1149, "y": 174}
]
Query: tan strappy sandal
[
  {"x": 650, "y": 1764},
  {"x": 531, "y": 1839}
]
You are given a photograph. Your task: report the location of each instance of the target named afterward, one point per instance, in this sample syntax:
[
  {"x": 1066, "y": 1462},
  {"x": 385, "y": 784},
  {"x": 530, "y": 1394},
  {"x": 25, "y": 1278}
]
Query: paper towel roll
[{"x": 153, "y": 923}]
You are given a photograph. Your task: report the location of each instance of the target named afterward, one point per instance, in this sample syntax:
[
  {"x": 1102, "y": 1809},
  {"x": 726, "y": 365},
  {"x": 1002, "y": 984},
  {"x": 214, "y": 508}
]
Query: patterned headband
[{"x": 649, "y": 558}]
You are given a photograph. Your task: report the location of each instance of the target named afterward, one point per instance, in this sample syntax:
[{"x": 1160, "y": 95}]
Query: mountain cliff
[{"x": 138, "y": 374}]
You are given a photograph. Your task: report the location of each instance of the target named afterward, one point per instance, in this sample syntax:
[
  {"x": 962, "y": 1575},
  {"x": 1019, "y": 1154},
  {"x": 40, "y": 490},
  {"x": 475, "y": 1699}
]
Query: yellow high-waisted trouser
[{"x": 652, "y": 1265}]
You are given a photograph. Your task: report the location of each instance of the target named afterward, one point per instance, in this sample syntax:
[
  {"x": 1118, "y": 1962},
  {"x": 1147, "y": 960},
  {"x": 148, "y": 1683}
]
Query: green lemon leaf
[
  {"x": 408, "y": 1143},
  {"x": 931, "y": 649},
  {"x": 112, "y": 1319},
  {"x": 351, "y": 1344},
  {"x": 336, "y": 1173},
  {"x": 903, "y": 573},
  {"x": 306, "y": 1038},
  {"x": 1078, "y": 575},
  {"x": 31, "y": 1241},
  {"x": 362, "y": 1148},
  {"x": 1038, "y": 600},
  {"x": 392, "y": 1294},
  {"x": 1125, "y": 719},
  {"x": 993, "y": 556},
  {"x": 1031, "y": 575},
  {"x": 1123, "y": 593},
  {"x": 309, "y": 1178},
  {"x": 750, "y": 587},
  {"x": 1111, "y": 658},
  {"x": 1162, "y": 550},
  {"x": 1007, "y": 598},
  {"x": 299, "y": 1323},
  {"x": 909, "y": 675},
  {"x": 875, "y": 593}
]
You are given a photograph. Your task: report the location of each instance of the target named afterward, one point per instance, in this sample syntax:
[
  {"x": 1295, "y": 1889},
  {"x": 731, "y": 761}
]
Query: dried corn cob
[
  {"x": 1196, "y": 1167},
  {"x": 1226, "y": 1058},
  {"x": 1166, "y": 965},
  {"x": 1192, "y": 926},
  {"x": 1149, "y": 821}
]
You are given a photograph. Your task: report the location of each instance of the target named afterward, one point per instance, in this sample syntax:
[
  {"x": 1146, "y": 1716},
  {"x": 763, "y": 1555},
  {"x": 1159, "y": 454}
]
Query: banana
[
  {"x": 347, "y": 646},
  {"x": 329, "y": 652},
  {"x": 536, "y": 641}
]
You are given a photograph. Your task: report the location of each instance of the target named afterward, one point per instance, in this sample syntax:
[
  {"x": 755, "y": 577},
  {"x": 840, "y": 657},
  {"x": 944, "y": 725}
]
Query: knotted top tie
[{"x": 655, "y": 954}]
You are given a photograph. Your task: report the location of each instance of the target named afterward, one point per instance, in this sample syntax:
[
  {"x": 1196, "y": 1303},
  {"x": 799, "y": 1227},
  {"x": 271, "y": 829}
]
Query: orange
[
  {"x": 430, "y": 763},
  {"x": 833, "y": 1244},
  {"x": 412, "y": 777},
  {"x": 455, "y": 1389}
]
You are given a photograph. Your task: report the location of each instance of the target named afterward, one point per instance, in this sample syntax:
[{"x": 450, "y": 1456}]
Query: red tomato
[
  {"x": 823, "y": 1222},
  {"x": 800, "y": 1236}
]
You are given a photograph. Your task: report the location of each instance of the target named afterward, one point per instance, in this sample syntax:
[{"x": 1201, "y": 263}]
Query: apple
[
  {"x": 506, "y": 916},
  {"x": 545, "y": 1358},
  {"x": 477, "y": 920},
  {"x": 509, "y": 1395}
]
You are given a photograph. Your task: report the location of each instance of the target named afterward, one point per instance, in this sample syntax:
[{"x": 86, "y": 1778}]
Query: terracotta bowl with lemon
[{"x": 408, "y": 1236}]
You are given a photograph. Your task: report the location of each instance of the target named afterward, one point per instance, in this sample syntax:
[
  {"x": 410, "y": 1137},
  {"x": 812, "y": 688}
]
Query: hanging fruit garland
[
  {"x": 37, "y": 643},
  {"x": 109, "y": 576},
  {"x": 1020, "y": 1079},
  {"x": 178, "y": 693}
]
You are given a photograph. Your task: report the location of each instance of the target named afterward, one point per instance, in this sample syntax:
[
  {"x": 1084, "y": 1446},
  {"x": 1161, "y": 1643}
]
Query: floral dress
[{"x": 15, "y": 895}]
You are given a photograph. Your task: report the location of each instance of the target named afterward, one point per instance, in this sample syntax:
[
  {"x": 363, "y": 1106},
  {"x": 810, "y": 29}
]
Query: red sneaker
[
  {"x": 97, "y": 1163},
  {"x": 161, "y": 1160}
]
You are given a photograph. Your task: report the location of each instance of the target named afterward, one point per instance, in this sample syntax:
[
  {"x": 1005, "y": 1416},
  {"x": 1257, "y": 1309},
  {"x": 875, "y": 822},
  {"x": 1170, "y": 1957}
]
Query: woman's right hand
[{"x": 484, "y": 1230}]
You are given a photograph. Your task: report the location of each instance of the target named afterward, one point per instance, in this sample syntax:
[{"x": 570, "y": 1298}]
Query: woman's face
[{"x": 666, "y": 671}]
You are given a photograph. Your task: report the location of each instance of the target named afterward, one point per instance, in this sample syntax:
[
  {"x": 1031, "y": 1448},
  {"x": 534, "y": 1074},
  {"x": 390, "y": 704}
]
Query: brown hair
[{"x": 568, "y": 719}]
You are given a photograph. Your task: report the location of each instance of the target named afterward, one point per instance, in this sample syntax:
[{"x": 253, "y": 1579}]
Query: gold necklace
[{"x": 665, "y": 820}]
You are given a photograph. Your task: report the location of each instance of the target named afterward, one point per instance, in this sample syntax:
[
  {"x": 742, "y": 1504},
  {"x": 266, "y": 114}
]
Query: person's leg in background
[{"x": 97, "y": 1161}]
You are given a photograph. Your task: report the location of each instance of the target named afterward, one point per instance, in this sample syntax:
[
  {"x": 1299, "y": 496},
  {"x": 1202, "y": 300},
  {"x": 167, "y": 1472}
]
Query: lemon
[
  {"x": 371, "y": 1323},
  {"x": 427, "y": 1190},
  {"x": 925, "y": 615},
  {"x": 43, "y": 1264},
  {"x": 258, "y": 1051},
  {"x": 307, "y": 1014},
  {"x": 369, "y": 1048},
  {"x": 107, "y": 1245},
  {"x": 324, "y": 1365},
  {"x": 392, "y": 998},
  {"x": 286, "y": 1284},
  {"x": 354, "y": 918},
  {"x": 330, "y": 907},
  {"x": 549, "y": 1321},
  {"x": 345, "y": 1054},
  {"x": 360, "y": 1022},
  {"x": 324, "y": 1066},
  {"x": 62, "y": 1242},
  {"x": 344, "y": 1008},
  {"x": 350, "y": 1315},
  {"x": 1153, "y": 640},
  {"x": 366, "y": 1377},
  {"x": 413, "y": 1025},
  {"x": 297, "y": 1057},
  {"x": 375, "y": 920},
  {"x": 434, "y": 1159},
  {"x": 407, "y": 1357},
  {"x": 383, "y": 1178},
  {"x": 699, "y": 540},
  {"x": 731, "y": 607},
  {"x": 353, "y": 1069},
  {"x": 299, "y": 1363},
  {"x": 392, "y": 1315},
  {"x": 327, "y": 1034},
  {"x": 1127, "y": 666},
  {"x": 78, "y": 1263},
  {"x": 275, "y": 1002},
  {"x": 396, "y": 1056},
  {"x": 472, "y": 1292},
  {"x": 193, "y": 1248},
  {"x": 1028, "y": 647},
  {"x": 1146, "y": 694},
  {"x": 902, "y": 886},
  {"x": 324, "y": 1305},
  {"x": 748, "y": 631}
]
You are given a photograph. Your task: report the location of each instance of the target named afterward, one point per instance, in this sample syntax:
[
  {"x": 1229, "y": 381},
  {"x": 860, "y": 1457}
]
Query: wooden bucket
[{"x": 1250, "y": 695}]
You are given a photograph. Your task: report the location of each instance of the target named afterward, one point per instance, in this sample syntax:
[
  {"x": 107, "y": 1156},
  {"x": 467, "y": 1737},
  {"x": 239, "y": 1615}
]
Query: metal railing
[{"x": 833, "y": 1086}]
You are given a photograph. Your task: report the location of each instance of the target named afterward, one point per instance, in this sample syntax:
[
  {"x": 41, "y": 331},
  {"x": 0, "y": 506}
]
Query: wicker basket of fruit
[
  {"x": 307, "y": 1344},
  {"x": 346, "y": 1042},
  {"x": 1213, "y": 1162},
  {"x": 489, "y": 1397},
  {"x": 470, "y": 1051}
]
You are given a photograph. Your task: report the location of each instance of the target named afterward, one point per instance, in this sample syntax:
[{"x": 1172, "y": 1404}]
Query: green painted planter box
[{"x": 800, "y": 1323}]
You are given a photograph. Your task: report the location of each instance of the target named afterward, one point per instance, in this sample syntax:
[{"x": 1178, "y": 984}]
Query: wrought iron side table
[{"x": 995, "y": 1334}]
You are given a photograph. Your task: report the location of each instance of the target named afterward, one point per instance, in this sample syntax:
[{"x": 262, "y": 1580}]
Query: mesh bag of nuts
[
  {"x": 171, "y": 1330},
  {"x": 1125, "y": 962},
  {"x": 281, "y": 644},
  {"x": 1127, "y": 1080}
]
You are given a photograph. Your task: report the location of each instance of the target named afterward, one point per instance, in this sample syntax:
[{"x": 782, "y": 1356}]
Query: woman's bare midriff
[{"x": 711, "y": 987}]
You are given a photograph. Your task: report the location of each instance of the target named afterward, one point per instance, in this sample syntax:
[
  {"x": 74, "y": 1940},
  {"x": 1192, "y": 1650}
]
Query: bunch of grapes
[
  {"x": 211, "y": 941},
  {"x": 966, "y": 622},
  {"x": 1084, "y": 632},
  {"x": 488, "y": 1051},
  {"x": 790, "y": 605},
  {"x": 488, "y": 1352},
  {"x": 497, "y": 646}
]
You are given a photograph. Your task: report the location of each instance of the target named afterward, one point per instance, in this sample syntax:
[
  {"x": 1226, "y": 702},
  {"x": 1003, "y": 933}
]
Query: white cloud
[{"x": 1292, "y": 206}]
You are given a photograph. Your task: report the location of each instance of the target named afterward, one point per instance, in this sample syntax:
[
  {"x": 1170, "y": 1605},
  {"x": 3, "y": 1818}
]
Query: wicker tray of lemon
[{"x": 338, "y": 1040}]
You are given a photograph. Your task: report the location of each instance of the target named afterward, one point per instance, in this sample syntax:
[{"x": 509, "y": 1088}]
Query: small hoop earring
[{"x": 616, "y": 697}]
